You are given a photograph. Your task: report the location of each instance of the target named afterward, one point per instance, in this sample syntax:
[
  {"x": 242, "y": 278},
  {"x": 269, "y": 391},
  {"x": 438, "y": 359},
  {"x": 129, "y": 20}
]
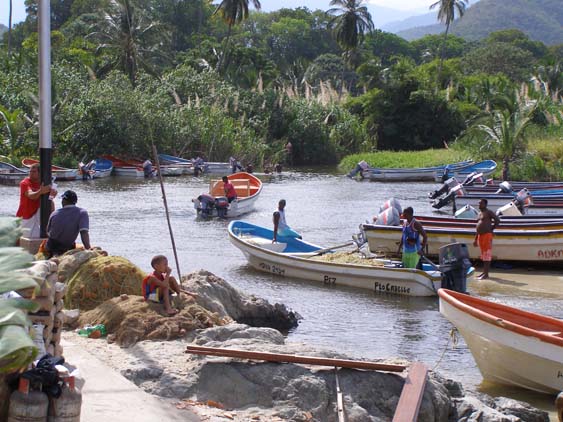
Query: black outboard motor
[
  {"x": 446, "y": 187},
  {"x": 222, "y": 205},
  {"x": 472, "y": 178},
  {"x": 456, "y": 191},
  {"x": 454, "y": 263}
]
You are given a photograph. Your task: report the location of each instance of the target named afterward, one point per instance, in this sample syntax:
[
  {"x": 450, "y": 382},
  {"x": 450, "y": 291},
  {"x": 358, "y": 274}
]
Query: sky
[{"x": 267, "y": 5}]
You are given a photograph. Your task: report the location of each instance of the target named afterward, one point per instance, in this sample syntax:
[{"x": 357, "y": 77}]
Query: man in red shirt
[
  {"x": 31, "y": 190},
  {"x": 230, "y": 191}
]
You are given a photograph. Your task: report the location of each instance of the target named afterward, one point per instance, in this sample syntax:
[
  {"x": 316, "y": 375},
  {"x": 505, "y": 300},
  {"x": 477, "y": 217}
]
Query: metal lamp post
[{"x": 45, "y": 107}]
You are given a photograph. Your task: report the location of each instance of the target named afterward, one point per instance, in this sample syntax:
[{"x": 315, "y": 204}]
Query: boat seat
[{"x": 267, "y": 244}]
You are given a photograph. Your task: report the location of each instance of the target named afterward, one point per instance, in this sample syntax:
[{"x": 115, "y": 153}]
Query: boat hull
[
  {"x": 508, "y": 357},
  {"x": 390, "y": 279},
  {"x": 537, "y": 246}
]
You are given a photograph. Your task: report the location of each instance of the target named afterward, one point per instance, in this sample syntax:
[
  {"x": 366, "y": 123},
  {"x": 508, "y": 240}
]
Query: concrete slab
[{"x": 108, "y": 396}]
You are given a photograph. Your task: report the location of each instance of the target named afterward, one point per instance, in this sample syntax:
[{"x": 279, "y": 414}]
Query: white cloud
[{"x": 403, "y": 4}]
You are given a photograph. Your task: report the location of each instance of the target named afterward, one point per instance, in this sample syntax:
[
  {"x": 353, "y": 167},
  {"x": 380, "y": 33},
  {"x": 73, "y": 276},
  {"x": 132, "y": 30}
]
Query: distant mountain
[
  {"x": 541, "y": 20},
  {"x": 412, "y": 22}
]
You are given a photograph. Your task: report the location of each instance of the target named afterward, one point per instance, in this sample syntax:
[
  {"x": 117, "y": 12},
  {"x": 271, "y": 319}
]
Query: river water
[{"x": 127, "y": 218}]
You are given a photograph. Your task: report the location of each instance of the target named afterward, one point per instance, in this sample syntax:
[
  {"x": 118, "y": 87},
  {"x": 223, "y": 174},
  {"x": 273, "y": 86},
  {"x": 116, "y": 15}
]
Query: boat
[
  {"x": 510, "y": 346},
  {"x": 187, "y": 166},
  {"x": 214, "y": 203},
  {"x": 124, "y": 167},
  {"x": 411, "y": 174},
  {"x": 96, "y": 169},
  {"x": 291, "y": 257},
  {"x": 484, "y": 168},
  {"x": 526, "y": 245},
  {"x": 210, "y": 167},
  {"x": 529, "y": 223},
  {"x": 11, "y": 175},
  {"x": 60, "y": 173}
]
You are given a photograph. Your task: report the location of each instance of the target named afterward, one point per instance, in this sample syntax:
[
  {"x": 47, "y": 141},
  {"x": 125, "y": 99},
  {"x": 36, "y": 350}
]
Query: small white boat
[
  {"x": 12, "y": 175},
  {"x": 411, "y": 174},
  {"x": 214, "y": 167},
  {"x": 510, "y": 346},
  {"x": 60, "y": 173},
  {"x": 95, "y": 169},
  {"x": 215, "y": 204},
  {"x": 291, "y": 257}
]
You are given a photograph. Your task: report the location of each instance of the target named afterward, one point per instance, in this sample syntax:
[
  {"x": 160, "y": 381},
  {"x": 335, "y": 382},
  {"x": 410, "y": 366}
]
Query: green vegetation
[
  {"x": 218, "y": 80},
  {"x": 388, "y": 159}
]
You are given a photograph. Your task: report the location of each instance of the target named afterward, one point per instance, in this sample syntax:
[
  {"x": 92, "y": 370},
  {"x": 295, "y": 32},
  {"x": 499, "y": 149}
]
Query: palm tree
[
  {"x": 350, "y": 23},
  {"x": 131, "y": 37},
  {"x": 446, "y": 14},
  {"x": 506, "y": 129},
  {"x": 232, "y": 12}
]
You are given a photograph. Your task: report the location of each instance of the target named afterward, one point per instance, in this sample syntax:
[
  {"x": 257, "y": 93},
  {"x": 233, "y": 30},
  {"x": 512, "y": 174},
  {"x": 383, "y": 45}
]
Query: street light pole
[{"x": 45, "y": 107}]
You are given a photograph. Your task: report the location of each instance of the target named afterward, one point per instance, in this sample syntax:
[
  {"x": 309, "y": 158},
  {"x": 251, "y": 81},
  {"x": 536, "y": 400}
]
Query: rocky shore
[{"x": 220, "y": 388}]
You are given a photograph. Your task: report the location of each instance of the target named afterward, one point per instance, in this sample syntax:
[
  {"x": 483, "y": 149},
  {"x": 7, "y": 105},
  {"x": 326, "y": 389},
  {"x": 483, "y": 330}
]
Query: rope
[{"x": 454, "y": 338}]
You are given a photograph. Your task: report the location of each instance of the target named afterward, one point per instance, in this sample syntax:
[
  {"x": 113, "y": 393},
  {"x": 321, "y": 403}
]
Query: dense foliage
[{"x": 200, "y": 79}]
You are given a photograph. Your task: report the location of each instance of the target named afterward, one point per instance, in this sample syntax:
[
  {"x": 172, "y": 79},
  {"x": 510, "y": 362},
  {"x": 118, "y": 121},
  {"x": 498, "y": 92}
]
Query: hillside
[
  {"x": 541, "y": 20},
  {"x": 413, "y": 22}
]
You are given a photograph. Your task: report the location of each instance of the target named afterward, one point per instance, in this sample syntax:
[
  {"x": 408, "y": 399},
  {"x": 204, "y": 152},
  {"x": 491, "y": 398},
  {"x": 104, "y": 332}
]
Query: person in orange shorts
[{"x": 487, "y": 222}]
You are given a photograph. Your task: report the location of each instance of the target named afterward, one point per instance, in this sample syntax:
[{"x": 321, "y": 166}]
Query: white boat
[
  {"x": 214, "y": 203},
  {"x": 168, "y": 171},
  {"x": 411, "y": 174},
  {"x": 60, "y": 173},
  {"x": 510, "y": 346},
  {"x": 538, "y": 246},
  {"x": 213, "y": 167},
  {"x": 290, "y": 257}
]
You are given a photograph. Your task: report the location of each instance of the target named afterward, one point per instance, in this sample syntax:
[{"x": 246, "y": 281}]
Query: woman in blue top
[{"x": 411, "y": 244}]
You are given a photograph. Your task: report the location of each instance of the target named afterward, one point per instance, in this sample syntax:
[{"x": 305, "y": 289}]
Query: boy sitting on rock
[{"x": 159, "y": 285}]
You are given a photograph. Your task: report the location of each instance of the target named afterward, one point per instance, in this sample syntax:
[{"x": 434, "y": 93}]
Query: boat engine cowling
[
  {"x": 454, "y": 263},
  {"x": 222, "y": 205},
  {"x": 473, "y": 178},
  {"x": 455, "y": 192},
  {"x": 389, "y": 217},
  {"x": 509, "y": 210},
  {"x": 446, "y": 187},
  {"x": 504, "y": 187},
  {"x": 467, "y": 211},
  {"x": 391, "y": 203}
]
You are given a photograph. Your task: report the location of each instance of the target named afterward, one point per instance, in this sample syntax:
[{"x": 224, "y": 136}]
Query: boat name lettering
[
  {"x": 391, "y": 288},
  {"x": 551, "y": 253},
  {"x": 329, "y": 280},
  {"x": 278, "y": 270},
  {"x": 264, "y": 266}
]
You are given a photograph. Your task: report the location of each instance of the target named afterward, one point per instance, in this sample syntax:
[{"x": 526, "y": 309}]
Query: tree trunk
[
  {"x": 442, "y": 49},
  {"x": 10, "y": 29},
  {"x": 505, "y": 164}
]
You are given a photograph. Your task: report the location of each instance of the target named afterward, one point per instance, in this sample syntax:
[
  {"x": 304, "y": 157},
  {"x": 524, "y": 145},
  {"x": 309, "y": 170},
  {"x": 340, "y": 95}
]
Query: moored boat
[
  {"x": 215, "y": 204},
  {"x": 186, "y": 166},
  {"x": 291, "y": 257},
  {"x": 125, "y": 168},
  {"x": 485, "y": 168},
  {"x": 95, "y": 169},
  {"x": 11, "y": 175},
  {"x": 411, "y": 174},
  {"x": 533, "y": 246},
  {"x": 510, "y": 346},
  {"x": 60, "y": 173}
]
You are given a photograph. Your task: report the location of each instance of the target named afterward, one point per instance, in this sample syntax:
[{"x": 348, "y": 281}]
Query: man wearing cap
[{"x": 65, "y": 224}]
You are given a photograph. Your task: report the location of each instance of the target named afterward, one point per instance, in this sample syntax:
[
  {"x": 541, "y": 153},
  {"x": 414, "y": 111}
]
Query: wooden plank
[
  {"x": 411, "y": 396},
  {"x": 339, "y": 400},
  {"x": 306, "y": 360}
]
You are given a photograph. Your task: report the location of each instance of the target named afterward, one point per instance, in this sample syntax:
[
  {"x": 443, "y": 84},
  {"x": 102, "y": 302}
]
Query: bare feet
[
  {"x": 483, "y": 277},
  {"x": 172, "y": 312}
]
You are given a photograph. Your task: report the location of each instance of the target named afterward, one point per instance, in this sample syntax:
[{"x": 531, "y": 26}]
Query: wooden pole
[
  {"x": 306, "y": 360},
  {"x": 339, "y": 400},
  {"x": 157, "y": 162}
]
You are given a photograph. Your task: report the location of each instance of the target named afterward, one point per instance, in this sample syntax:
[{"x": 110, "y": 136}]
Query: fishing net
[
  {"x": 131, "y": 319},
  {"x": 102, "y": 278},
  {"x": 348, "y": 258}
]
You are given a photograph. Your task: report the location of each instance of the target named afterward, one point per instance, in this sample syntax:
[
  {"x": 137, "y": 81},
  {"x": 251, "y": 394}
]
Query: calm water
[{"x": 127, "y": 218}]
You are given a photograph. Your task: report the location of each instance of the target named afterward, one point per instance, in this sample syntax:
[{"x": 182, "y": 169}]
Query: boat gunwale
[
  {"x": 500, "y": 232},
  {"x": 452, "y": 298}
]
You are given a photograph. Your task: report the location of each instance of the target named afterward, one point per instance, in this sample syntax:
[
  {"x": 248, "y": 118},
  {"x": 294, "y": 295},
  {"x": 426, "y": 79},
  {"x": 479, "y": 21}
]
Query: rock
[
  {"x": 216, "y": 295},
  {"x": 520, "y": 409},
  {"x": 484, "y": 408}
]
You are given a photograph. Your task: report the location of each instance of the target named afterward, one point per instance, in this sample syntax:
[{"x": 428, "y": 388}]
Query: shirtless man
[{"x": 487, "y": 221}]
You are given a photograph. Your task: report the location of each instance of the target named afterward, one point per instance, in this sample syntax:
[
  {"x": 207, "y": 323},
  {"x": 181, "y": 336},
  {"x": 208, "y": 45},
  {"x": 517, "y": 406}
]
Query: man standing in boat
[
  {"x": 487, "y": 221},
  {"x": 411, "y": 244},
  {"x": 280, "y": 225}
]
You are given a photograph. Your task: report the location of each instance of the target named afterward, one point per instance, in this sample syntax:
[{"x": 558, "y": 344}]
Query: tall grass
[{"x": 405, "y": 159}]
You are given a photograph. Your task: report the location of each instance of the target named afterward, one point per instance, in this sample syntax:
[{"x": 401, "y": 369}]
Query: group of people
[
  {"x": 414, "y": 239},
  {"x": 64, "y": 224}
]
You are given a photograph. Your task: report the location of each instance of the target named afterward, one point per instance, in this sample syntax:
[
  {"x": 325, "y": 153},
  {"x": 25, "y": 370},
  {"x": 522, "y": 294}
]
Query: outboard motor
[
  {"x": 391, "y": 203},
  {"x": 469, "y": 179},
  {"x": 389, "y": 217},
  {"x": 455, "y": 192},
  {"x": 467, "y": 211},
  {"x": 222, "y": 205},
  {"x": 204, "y": 203},
  {"x": 454, "y": 263},
  {"x": 509, "y": 210},
  {"x": 446, "y": 187},
  {"x": 523, "y": 199},
  {"x": 504, "y": 187}
]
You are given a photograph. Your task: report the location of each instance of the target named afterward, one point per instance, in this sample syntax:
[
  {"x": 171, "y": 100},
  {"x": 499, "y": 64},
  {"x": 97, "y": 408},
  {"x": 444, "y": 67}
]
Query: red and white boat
[
  {"x": 510, "y": 346},
  {"x": 60, "y": 173}
]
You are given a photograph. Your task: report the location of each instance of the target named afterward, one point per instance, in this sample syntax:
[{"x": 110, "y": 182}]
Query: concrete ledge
[{"x": 31, "y": 245}]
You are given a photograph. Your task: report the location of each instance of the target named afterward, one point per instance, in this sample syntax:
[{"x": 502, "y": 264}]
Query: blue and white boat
[
  {"x": 485, "y": 167},
  {"x": 418, "y": 174},
  {"x": 290, "y": 257},
  {"x": 95, "y": 169}
]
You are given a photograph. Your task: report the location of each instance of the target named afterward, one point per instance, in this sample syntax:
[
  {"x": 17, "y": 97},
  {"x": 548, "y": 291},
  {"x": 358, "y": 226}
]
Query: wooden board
[{"x": 411, "y": 396}]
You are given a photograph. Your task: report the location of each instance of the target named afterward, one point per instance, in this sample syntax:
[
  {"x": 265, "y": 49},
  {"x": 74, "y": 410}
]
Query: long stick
[
  {"x": 307, "y": 360},
  {"x": 325, "y": 250},
  {"x": 166, "y": 210}
]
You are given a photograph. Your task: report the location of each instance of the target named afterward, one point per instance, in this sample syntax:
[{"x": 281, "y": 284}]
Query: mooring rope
[{"x": 454, "y": 338}]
